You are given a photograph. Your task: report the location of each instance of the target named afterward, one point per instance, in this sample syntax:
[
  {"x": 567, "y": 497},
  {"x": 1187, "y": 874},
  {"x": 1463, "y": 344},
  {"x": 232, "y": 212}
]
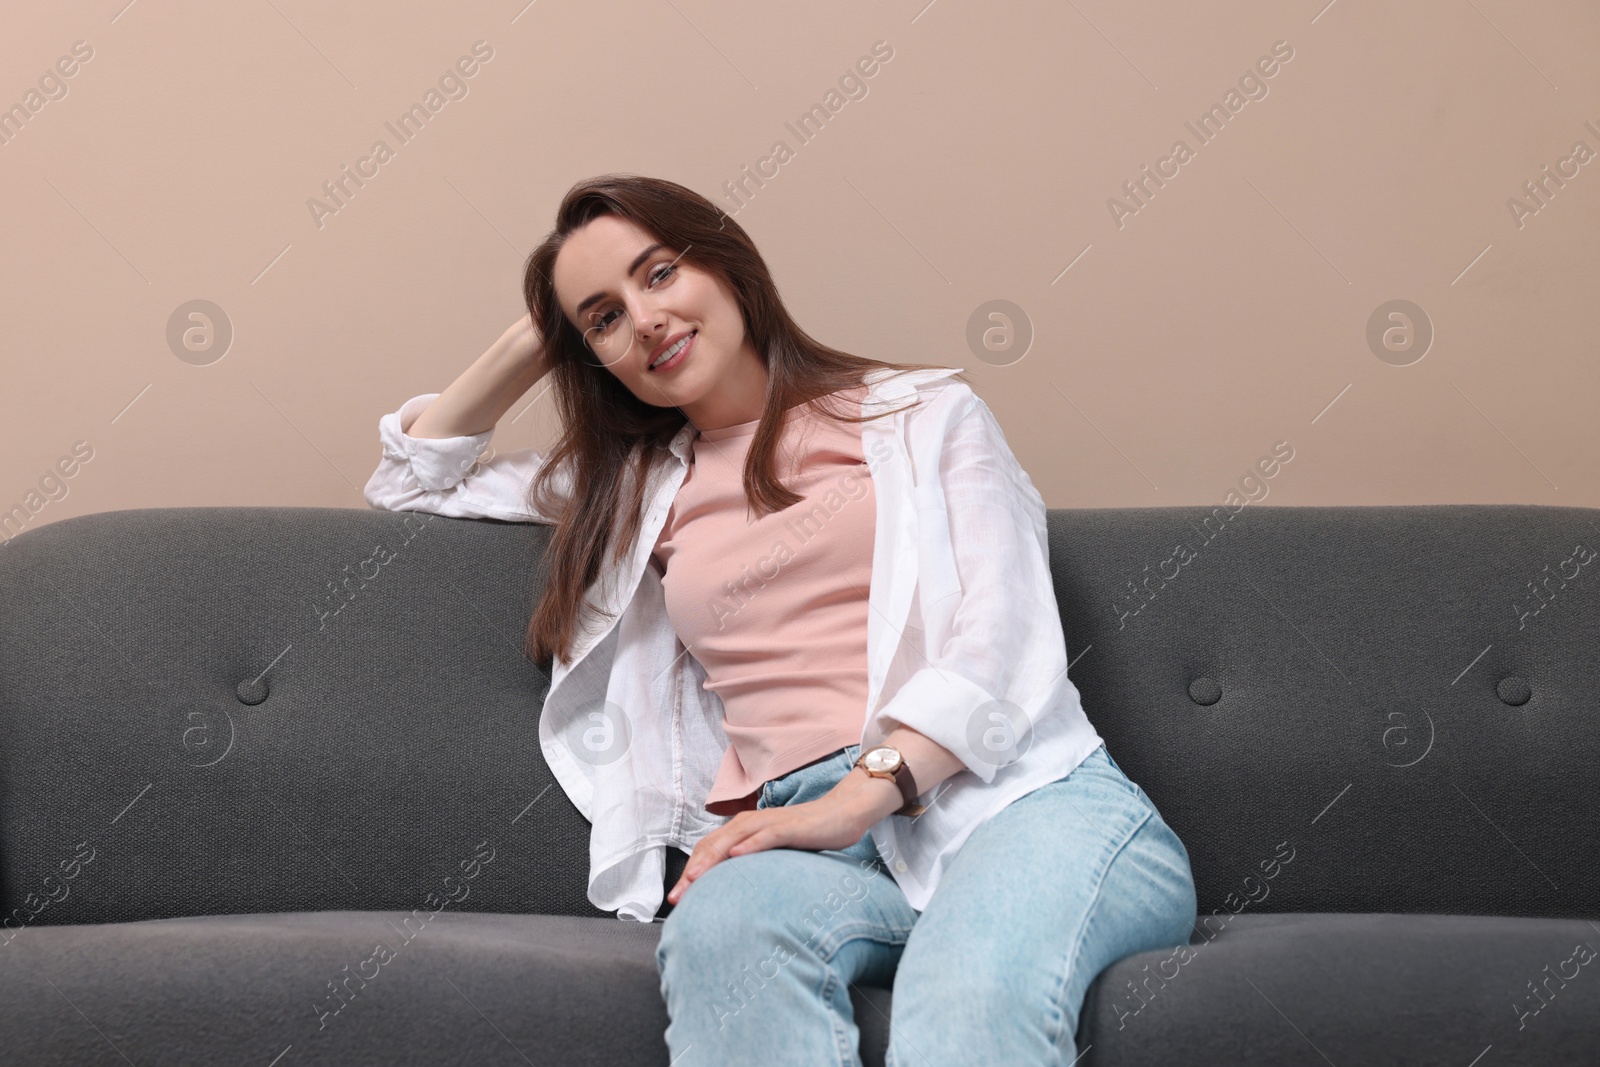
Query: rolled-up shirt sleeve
[
  {"x": 997, "y": 659},
  {"x": 446, "y": 476}
]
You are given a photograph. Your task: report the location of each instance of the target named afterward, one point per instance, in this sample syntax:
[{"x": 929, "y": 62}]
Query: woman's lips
[{"x": 683, "y": 354}]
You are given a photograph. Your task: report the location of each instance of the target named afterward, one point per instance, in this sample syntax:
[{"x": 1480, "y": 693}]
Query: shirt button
[{"x": 900, "y": 865}]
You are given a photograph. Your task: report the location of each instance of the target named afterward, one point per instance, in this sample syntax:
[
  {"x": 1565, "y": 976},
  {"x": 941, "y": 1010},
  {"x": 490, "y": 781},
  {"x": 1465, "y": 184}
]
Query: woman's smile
[{"x": 679, "y": 352}]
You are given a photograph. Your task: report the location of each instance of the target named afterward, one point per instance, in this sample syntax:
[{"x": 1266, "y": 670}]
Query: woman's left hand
[{"x": 832, "y": 821}]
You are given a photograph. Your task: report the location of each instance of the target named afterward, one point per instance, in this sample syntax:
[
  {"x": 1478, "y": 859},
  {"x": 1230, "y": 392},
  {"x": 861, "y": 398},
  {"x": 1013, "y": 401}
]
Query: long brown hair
[{"x": 610, "y": 438}]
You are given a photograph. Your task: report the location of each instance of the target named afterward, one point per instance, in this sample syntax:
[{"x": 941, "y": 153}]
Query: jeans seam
[
  {"x": 857, "y": 930},
  {"x": 1078, "y": 939},
  {"x": 841, "y": 1034}
]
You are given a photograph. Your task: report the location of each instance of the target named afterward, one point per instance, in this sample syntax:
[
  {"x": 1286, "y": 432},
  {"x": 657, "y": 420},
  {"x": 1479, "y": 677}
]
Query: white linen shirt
[{"x": 964, "y": 639}]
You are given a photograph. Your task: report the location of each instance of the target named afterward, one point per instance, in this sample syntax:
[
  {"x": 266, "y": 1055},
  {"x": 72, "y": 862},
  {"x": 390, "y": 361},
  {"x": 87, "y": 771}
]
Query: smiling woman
[
  {"x": 634, "y": 267},
  {"x": 858, "y": 666},
  {"x": 666, "y": 328}
]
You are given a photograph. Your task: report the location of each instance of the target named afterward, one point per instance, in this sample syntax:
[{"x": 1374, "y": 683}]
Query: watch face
[{"x": 881, "y": 759}]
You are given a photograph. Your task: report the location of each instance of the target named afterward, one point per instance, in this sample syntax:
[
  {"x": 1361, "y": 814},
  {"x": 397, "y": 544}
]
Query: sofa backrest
[{"x": 231, "y": 710}]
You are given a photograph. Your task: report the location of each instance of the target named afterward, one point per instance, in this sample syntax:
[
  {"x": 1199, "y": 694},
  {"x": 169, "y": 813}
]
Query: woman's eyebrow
[{"x": 638, "y": 261}]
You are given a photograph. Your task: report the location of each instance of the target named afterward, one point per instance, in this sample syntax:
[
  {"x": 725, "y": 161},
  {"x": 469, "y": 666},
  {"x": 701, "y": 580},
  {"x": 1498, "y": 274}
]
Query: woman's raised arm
[
  {"x": 433, "y": 455},
  {"x": 485, "y": 391}
]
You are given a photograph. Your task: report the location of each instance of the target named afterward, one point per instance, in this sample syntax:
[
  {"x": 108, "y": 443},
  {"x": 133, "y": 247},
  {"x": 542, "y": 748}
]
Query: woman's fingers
[{"x": 715, "y": 847}]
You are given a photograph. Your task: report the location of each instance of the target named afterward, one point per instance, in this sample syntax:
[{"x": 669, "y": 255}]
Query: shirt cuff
[
  {"x": 958, "y": 714},
  {"x": 436, "y": 462}
]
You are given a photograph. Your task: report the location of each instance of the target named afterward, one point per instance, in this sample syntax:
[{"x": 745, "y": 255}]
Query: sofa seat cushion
[
  {"x": 456, "y": 987},
  {"x": 1320, "y": 988},
  {"x": 510, "y": 989}
]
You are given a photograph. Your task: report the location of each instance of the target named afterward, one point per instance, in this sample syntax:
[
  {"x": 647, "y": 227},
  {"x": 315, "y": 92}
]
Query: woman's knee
[
  {"x": 1148, "y": 900},
  {"x": 721, "y": 907},
  {"x": 1164, "y": 854},
  {"x": 759, "y": 897}
]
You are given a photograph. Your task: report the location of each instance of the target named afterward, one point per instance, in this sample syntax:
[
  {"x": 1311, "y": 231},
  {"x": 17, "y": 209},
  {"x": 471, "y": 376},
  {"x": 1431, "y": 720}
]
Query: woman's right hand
[{"x": 523, "y": 339}]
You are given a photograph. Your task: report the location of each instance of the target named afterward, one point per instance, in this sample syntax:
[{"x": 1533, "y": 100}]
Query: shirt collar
[{"x": 682, "y": 442}]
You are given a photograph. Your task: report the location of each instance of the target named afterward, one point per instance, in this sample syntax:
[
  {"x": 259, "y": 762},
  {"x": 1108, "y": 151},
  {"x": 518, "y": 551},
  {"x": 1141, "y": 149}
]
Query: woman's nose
[{"x": 645, "y": 319}]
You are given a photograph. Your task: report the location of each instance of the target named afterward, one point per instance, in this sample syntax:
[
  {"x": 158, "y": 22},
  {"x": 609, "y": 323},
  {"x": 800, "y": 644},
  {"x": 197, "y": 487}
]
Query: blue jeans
[{"x": 758, "y": 957}]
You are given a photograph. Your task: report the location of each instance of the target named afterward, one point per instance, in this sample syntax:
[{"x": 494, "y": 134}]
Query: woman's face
[{"x": 634, "y": 299}]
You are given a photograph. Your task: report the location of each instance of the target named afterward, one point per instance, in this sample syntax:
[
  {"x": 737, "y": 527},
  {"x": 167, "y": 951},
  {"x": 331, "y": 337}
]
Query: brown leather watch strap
[
  {"x": 908, "y": 790},
  {"x": 903, "y": 779}
]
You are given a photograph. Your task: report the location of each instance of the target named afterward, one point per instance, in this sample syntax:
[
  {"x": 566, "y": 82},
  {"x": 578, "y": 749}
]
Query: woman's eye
[{"x": 657, "y": 274}]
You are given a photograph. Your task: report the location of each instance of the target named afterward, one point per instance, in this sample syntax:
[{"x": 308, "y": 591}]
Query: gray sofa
[{"x": 243, "y": 748}]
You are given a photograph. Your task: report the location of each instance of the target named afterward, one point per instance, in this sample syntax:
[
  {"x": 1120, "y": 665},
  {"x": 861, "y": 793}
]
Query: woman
[{"x": 812, "y": 678}]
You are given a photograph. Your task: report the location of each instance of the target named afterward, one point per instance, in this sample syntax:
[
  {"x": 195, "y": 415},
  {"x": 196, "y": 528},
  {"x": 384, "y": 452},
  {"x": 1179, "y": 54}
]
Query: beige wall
[{"x": 1374, "y": 152}]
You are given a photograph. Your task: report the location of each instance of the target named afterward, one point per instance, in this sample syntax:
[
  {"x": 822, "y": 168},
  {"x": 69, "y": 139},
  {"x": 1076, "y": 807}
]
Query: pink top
[{"x": 775, "y": 608}]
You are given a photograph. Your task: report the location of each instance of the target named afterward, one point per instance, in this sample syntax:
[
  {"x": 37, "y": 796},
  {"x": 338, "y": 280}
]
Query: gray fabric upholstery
[
  {"x": 492, "y": 989},
  {"x": 263, "y": 784}
]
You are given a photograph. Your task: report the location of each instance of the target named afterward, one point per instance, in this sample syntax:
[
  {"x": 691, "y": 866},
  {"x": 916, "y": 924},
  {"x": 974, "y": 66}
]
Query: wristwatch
[{"x": 885, "y": 761}]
